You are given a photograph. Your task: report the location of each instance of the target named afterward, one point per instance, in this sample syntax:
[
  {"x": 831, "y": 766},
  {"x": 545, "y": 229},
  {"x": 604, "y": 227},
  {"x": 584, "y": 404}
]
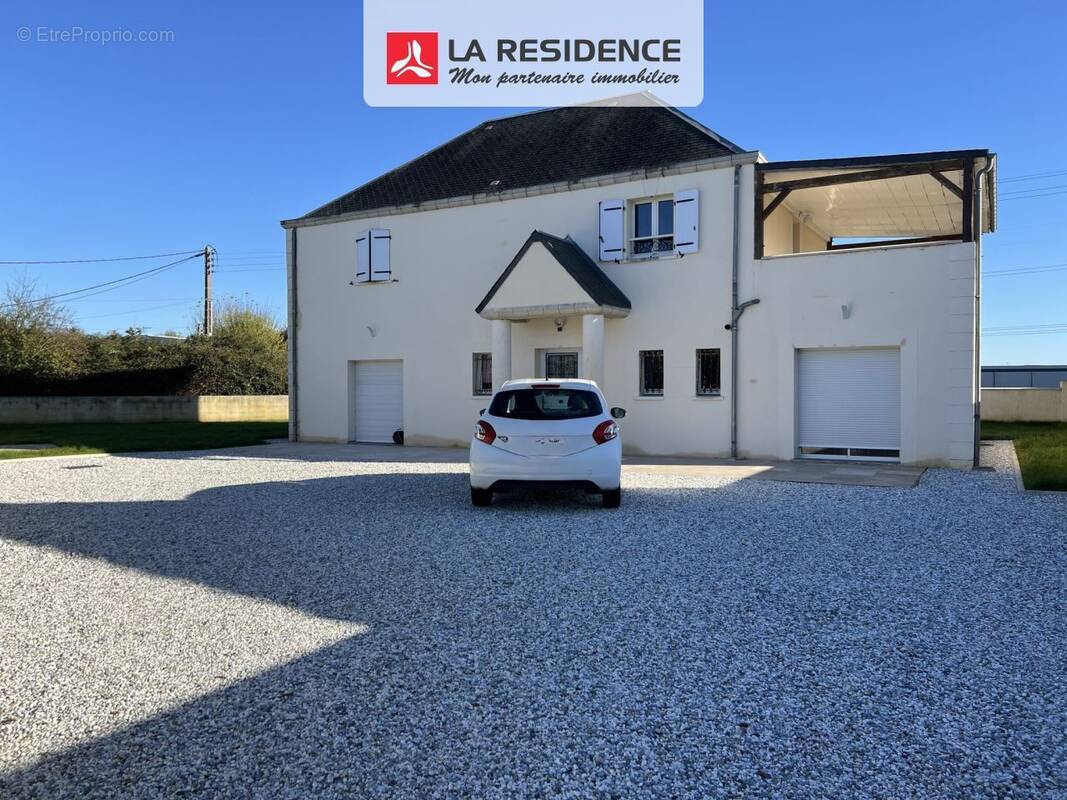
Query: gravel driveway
[{"x": 247, "y": 624}]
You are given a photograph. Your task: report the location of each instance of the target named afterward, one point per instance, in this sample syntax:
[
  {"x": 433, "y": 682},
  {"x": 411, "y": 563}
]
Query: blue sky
[{"x": 254, "y": 113}]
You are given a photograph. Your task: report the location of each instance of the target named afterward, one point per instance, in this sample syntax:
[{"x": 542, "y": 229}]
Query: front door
[{"x": 561, "y": 365}]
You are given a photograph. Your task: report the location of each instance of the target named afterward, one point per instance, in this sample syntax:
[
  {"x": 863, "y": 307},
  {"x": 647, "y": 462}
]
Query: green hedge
[{"x": 129, "y": 382}]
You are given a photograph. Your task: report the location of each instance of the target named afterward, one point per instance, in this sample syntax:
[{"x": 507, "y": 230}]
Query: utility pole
[{"x": 209, "y": 264}]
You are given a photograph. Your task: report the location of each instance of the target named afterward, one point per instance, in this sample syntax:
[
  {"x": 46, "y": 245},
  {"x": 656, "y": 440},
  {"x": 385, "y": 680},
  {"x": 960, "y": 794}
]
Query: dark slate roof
[
  {"x": 542, "y": 147},
  {"x": 578, "y": 265}
]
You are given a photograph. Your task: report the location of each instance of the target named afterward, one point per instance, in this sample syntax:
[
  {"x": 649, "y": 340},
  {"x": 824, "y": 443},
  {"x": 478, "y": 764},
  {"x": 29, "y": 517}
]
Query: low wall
[
  {"x": 238, "y": 408},
  {"x": 1025, "y": 405},
  {"x": 243, "y": 408}
]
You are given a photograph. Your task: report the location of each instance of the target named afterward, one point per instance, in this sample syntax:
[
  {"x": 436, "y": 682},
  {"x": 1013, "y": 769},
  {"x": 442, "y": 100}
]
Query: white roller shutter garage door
[
  {"x": 849, "y": 404},
  {"x": 379, "y": 400}
]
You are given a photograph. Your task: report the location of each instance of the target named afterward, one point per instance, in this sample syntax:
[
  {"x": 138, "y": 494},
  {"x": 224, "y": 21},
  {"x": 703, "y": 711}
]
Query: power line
[
  {"x": 1026, "y": 327},
  {"x": 1035, "y": 189},
  {"x": 1030, "y": 196},
  {"x": 253, "y": 257},
  {"x": 1033, "y": 176},
  {"x": 125, "y": 281},
  {"x": 238, "y": 265},
  {"x": 135, "y": 300},
  {"x": 251, "y": 253},
  {"x": 1024, "y": 270},
  {"x": 253, "y": 269},
  {"x": 1044, "y": 329},
  {"x": 136, "y": 310},
  {"x": 103, "y": 260},
  {"x": 1055, "y": 332}
]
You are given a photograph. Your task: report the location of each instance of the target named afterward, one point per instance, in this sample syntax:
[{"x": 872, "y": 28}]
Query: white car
[{"x": 553, "y": 433}]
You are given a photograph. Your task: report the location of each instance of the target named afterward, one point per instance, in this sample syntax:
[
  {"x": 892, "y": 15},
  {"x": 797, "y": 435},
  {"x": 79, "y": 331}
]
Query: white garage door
[
  {"x": 379, "y": 400},
  {"x": 849, "y": 404}
]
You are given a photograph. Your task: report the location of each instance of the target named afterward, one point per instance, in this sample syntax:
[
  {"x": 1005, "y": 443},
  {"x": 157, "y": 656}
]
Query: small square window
[
  {"x": 651, "y": 380},
  {"x": 708, "y": 364},
  {"x": 483, "y": 374}
]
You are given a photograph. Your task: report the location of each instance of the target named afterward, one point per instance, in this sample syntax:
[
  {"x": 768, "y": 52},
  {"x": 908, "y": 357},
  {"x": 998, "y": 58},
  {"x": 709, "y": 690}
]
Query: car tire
[
  {"x": 611, "y": 498},
  {"x": 481, "y": 497}
]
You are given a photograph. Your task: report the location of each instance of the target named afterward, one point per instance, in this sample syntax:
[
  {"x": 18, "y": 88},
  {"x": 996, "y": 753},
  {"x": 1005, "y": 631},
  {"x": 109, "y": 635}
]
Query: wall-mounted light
[
  {"x": 846, "y": 311},
  {"x": 560, "y": 322},
  {"x": 373, "y": 331}
]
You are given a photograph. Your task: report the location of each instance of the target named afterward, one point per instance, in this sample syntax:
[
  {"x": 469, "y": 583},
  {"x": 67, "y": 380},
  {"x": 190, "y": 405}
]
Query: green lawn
[
  {"x": 1042, "y": 450},
  {"x": 80, "y": 438}
]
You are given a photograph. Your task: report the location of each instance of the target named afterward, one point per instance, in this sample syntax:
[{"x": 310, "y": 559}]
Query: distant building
[
  {"x": 163, "y": 338},
  {"x": 1023, "y": 377}
]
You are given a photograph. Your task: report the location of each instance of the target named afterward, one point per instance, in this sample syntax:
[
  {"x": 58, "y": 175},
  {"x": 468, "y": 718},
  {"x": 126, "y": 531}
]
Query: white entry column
[
  {"x": 593, "y": 348},
  {"x": 501, "y": 336}
]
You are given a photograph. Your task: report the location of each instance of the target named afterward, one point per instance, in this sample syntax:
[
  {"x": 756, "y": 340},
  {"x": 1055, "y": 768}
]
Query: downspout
[
  {"x": 294, "y": 397},
  {"x": 736, "y": 310},
  {"x": 976, "y": 463}
]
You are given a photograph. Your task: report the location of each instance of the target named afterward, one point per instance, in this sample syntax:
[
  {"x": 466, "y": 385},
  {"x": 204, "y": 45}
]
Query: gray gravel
[{"x": 232, "y": 624}]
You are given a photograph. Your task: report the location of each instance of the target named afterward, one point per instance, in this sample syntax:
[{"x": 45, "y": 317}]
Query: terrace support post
[
  {"x": 757, "y": 221},
  {"x": 501, "y": 344},
  {"x": 968, "y": 201}
]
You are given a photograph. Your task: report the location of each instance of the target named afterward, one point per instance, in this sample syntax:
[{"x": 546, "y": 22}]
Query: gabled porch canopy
[{"x": 552, "y": 277}]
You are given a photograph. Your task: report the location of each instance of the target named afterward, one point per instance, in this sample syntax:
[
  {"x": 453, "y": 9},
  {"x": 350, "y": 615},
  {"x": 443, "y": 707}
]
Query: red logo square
[{"x": 411, "y": 58}]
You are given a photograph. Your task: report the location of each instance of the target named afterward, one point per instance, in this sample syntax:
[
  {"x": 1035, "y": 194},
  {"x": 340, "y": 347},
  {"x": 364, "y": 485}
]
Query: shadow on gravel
[
  {"x": 457, "y": 685},
  {"x": 732, "y": 641},
  {"x": 323, "y": 545}
]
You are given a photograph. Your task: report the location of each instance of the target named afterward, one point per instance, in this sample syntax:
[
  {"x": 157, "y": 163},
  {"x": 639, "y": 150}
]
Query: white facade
[{"x": 442, "y": 262}]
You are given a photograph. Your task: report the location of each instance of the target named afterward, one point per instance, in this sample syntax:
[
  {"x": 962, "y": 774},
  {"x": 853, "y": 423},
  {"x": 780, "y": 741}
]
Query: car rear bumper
[
  {"x": 513, "y": 485},
  {"x": 596, "y": 469}
]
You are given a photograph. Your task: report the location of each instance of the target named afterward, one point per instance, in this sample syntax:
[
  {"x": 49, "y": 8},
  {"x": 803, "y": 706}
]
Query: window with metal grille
[
  {"x": 561, "y": 365},
  {"x": 652, "y": 227},
  {"x": 651, "y": 362},
  {"x": 483, "y": 373},
  {"x": 708, "y": 372}
]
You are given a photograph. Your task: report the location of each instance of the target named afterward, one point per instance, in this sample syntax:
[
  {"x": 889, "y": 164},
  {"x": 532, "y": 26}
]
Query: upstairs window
[
  {"x": 373, "y": 256},
  {"x": 649, "y": 227},
  {"x": 708, "y": 372},
  {"x": 483, "y": 374},
  {"x": 652, "y": 230},
  {"x": 651, "y": 368}
]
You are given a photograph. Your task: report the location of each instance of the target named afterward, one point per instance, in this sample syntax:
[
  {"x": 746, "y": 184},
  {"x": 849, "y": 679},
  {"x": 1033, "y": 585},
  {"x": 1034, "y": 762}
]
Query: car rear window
[{"x": 545, "y": 404}]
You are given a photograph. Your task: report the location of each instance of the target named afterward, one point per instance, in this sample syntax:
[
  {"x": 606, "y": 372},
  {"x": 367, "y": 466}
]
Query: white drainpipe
[
  {"x": 294, "y": 321},
  {"x": 978, "y": 311},
  {"x": 736, "y": 310}
]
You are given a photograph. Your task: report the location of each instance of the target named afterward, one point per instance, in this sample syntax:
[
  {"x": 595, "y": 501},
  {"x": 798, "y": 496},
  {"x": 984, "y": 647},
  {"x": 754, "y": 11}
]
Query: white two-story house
[{"x": 731, "y": 304}]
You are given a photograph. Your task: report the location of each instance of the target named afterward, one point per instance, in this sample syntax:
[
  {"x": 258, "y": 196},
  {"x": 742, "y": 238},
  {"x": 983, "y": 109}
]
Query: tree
[
  {"x": 37, "y": 336},
  {"x": 246, "y": 355}
]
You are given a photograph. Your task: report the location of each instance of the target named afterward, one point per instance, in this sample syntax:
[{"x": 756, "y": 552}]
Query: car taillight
[
  {"x": 484, "y": 432},
  {"x": 605, "y": 431}
]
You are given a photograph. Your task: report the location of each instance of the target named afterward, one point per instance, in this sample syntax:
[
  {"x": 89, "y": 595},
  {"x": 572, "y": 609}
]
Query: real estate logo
[
  {"x": 548, "y": 53},
  {"x": 411, "y": 58}
]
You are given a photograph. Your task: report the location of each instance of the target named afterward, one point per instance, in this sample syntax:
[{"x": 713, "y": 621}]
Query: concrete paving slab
[
  {"x": 893, "y": 476},
  {"x": 832, "y": 472}
]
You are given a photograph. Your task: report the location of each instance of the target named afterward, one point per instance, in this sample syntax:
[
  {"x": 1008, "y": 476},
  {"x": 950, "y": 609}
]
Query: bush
[
  {"x": 167, "y": 381},
  {"x": 246, "y": 355},
  {"x": 42, "y": 354}
]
